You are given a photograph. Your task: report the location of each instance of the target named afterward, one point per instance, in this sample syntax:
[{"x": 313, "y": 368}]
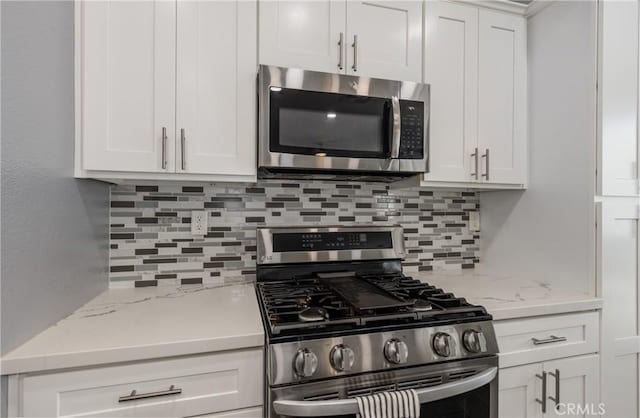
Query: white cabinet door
[
  {"x": 519, "y": 389},
  {"x": 303, "y": 34},
  {"x": 574, "y": 381},
  {"x": 216, "y": 100},
  {"x": 618, "y": 230},
  {"x": 618, "y": 173},
  {"x": 451, "y": 68},
  {"x": 384, "y": 39},
  {"x": 127, "y": 85},
  {"x": 502, "y": 97}
]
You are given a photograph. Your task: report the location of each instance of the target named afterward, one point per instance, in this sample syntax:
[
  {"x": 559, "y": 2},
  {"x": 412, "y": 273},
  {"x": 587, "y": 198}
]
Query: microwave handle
[
  {"x": 395, "y": 128},
  {"x": 350, "y": 406}
]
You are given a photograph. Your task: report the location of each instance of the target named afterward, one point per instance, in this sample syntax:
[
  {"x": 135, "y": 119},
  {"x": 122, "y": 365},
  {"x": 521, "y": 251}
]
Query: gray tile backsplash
[{"x": 151, "y": 241}]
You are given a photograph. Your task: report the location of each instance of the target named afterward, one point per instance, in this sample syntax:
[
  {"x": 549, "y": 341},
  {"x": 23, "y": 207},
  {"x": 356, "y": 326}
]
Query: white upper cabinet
[
  {"x": 502, "y": 97},
  {"x": 127, "y": 70},
  {"x": 385, "y": 39},
  {"x": 618, "y": 171},
  {"x": 148, "y": 72},
  {"x": 475, "y": 62},
  {"x": 216, "y": 100},
  {"x": 451, "y": 68},
  {"x": 381, "y": 39},
  {"x": 303, "y": 34}
]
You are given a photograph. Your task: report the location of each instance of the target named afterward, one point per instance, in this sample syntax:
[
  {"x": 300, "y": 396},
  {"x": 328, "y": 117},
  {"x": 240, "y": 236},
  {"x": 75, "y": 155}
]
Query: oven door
[{"x": 463, "y": 389}]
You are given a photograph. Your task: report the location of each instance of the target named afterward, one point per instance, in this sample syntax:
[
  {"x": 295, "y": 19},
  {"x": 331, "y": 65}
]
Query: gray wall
[
  {"x": 548, "y": 231},
  {"x": 54, "y": 228}
]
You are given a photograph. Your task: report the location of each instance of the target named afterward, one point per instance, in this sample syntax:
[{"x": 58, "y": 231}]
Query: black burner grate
[{"x": 309, "y": 304}]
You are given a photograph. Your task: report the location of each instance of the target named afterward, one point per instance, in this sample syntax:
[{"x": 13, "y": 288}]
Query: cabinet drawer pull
[
  {"x": 486, "y": 157},
  {"x": 183, "y": 140},
  {"x": 341, "y": 45},
  {"x": 355, "y": 53},
  {"x": 556, "y": 399},
  {"x": 164, "y": 148},
  {"x": 475, "y": 156},
  {"x": 543, "y": 401},
  {"x": 135, "y": 395},
  {"x": 551, "y": 339}
]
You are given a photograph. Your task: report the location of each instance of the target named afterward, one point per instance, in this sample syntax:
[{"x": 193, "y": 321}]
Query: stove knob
[
  {"x": 442, "y": 344},
  {"x": 396, "y": 351},
  {"x": 474, "y": 341},
  {"x": 342, "y": 358},
  {"x": 305, "y": 363}
]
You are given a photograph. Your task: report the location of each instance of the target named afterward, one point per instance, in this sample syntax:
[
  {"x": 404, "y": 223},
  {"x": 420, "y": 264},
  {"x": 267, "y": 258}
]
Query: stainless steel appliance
[
  {"x": 342, "y": 321},
  {"x": 333, "y": 125}
]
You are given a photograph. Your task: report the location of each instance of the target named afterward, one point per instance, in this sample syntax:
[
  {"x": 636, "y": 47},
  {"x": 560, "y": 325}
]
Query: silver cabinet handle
[
  {"x": 341, "y": 45},
  {"x": 543, "y": 401},
  {"x": 395, "y": 135},
  {"x": 475, "y": 156},
  {"x": 350, "y": 406},
  {"x": 164, "y": 148},
  {"x": 355, "y": 53},
  {"x": 183, "y": 140},
  {"x": 135, "y": 395},
  {"x": 551, "y": 339},
  {"x": 486, "y": 157},
  {"x": 556, "y": 376}
]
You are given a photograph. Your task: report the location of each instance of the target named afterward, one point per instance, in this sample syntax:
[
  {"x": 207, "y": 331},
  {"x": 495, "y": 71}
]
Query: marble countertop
[
  {"x": 143, "y": 323},
  {"x": 153, "y": 322},
  {"x": 507, "y": 297}
]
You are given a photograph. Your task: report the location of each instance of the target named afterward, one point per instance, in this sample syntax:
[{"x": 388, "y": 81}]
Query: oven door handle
[
  {"x": 350, "y": 406},
  {"x": 395, "y": 128}
]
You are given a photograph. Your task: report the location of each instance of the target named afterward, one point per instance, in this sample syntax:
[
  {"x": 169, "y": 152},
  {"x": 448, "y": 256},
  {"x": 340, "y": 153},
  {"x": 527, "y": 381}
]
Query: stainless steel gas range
[{"x": 343, "y": 321}]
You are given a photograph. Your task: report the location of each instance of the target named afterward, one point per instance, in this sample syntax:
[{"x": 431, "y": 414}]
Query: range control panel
[
  {"x": 411, "y": 130},
  {"x": 327, "y": 241}
]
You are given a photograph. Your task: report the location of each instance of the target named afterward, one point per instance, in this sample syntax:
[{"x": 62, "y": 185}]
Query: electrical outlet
[
  {"x": 474, "y": 221},
  {"x": 199, "y": 222}
]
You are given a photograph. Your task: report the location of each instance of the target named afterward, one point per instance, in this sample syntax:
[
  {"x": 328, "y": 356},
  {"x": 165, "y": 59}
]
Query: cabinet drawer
[
  {"x": 182, "y": 386},
  {"x": 543, "y": 338}
]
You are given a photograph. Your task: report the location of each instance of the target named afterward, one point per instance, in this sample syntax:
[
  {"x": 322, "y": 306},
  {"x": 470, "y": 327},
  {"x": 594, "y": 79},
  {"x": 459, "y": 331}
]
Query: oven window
[
  {"x": 474, "y": 404},
  {"x": 329, "y": 124}
]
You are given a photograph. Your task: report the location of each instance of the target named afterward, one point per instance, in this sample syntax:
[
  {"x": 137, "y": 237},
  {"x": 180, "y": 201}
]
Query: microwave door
[{"x": 320, "y": 124}]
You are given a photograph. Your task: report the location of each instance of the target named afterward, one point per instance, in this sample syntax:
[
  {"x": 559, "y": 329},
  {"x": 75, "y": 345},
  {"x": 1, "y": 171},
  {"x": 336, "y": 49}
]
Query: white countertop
[
  {"x": 508, "y": 297},
  {"x": 153, "y": 322},
  {"x": 143, "y": 323}
]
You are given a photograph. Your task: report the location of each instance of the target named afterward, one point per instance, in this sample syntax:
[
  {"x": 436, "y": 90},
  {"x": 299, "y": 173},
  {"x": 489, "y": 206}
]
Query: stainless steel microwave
[{"x": 332, "y": 125}]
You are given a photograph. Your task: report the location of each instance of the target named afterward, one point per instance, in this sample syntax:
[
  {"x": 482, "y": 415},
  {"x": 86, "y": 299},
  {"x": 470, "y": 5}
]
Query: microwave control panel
[{"x": 411, "y": 130}]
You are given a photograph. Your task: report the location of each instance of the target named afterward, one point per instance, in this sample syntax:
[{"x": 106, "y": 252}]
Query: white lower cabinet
[
  {"x": 552, "y": 366},
  {"x": 519, "y": 389},
  {"x": 221, "y": 383}
]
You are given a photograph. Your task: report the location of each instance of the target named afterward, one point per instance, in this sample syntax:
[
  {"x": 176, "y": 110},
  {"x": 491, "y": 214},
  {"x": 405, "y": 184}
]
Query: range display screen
[{"x": 329, "y": 241}]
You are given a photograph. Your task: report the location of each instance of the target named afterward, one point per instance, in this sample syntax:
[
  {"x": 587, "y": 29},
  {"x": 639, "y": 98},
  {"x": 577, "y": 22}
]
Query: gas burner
[
  {"x": 421, "y": 305},
  {"x": 313, "y": 314}
]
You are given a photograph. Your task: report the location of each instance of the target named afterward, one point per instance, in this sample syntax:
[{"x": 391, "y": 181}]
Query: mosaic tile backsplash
[{"x": 151, "y": 242}]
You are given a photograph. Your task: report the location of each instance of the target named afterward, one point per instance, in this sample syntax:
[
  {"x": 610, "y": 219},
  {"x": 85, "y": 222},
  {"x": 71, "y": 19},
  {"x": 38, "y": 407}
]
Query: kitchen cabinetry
[
  {"x": 521, "y": 388},
  {"x": 166, "y": 90},
  {"x": 381, "y": 39},
  {"x": 549, "y": 358},
  {"x": 618, "y": 143},
  {"x": 220, "y": 384},
  {"x": 475, "y": 62},
  {"x": 619, "y": 229}
]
